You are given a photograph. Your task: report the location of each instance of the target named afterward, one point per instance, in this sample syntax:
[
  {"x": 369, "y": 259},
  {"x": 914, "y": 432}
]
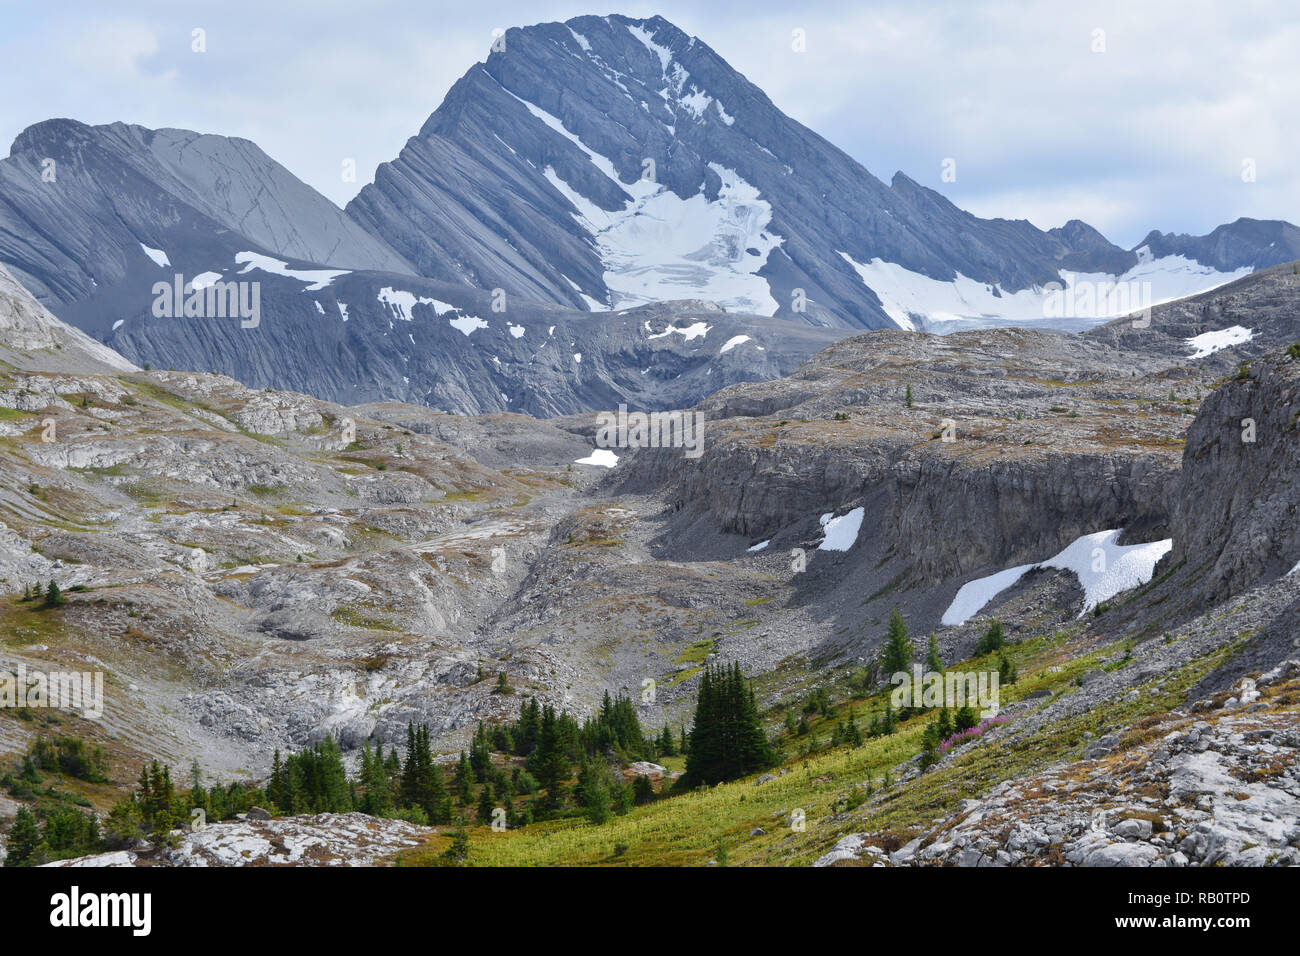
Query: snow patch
[
  {"x": 760, "y": 546},
  {"x": 732, "y": 342},
  {"x": 904, "y": 293},
  {"x": 841, "y": 532},
  {"x": 467, "y": 323},
  {"x": 1207, "y": 343},
  {"x": 695, "y": 330},
  {"x": 665, "y": 55},
  {"x": 157, "y": 255},
  {"x": 599, "y": 456},
  {"x": 403, "y": 303},
  {"x": 1103, "y": 568},
  {"x": 317, "y": 279},
  {"x": 660, "y": 246}
]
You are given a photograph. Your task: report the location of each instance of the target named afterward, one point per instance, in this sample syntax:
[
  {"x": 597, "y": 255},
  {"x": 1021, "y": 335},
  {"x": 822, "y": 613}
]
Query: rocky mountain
[
  {"x": 584, "y": 173},
  {"x": 83, "y": 209},
  {"x": 401, "y": 510},
  {"x": 258, "y": 569},
  {"x": 608, "y": 161},
  {"x": 130, "y": 209},
  {"x": 1244, "y": 244}
]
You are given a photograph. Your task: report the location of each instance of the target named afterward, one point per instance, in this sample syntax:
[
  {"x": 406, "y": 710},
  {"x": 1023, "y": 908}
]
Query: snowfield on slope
[
  {"x": 317, "y": 279},
  {"x": 841, "y": 532},
  {"x": 660, "y": 246},
  {"x": 1207, "y": 343},
  {"x": 1103, "y": 568},
  {"x": 905, "y": 294}
]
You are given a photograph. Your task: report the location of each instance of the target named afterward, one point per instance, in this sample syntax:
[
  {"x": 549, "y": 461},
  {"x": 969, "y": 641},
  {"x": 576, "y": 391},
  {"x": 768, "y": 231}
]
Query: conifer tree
[
  {"x": 485, "y": 805},
  {"x": 993, "y": 640},
  {"x": 464, "y": 780},
  {"x": 275, "y": 786},
  {"x": 596, "y": 798},
  {"x": 1006, "y": 670},
  {"x": 933, "y": 661},
  {"x": 24, "y": 840},
  {"x": 53, "y": 596},
  {"x": 727, "y": 740},
  {"x": 897, "y": 652}
]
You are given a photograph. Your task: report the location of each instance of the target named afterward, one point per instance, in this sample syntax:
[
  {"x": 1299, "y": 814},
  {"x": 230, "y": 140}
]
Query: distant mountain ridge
[{"x": 601, "y": 164}]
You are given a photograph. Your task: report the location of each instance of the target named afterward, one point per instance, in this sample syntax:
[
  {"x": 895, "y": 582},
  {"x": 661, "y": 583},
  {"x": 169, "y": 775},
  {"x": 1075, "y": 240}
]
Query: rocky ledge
[
  {"x": 326, "y": 839},
  {"x": 1219, "y": 788}
]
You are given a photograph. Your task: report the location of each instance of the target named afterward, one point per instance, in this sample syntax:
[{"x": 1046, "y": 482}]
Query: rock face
[
  {"x": 77, "y": 202},
  {"x": 1217, "y": 792},
  {"x": 1237, "y": 500},
  {"x": 1032, "y": 465},
  {"x": 326, "y": 839},
  {"x": 129, "y": 208},
  {"x": 435, "y": 344},
  {"x": 33, "y": 340}
]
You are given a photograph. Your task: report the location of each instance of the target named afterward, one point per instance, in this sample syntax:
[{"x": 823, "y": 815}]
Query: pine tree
[
  {"x": 907, "y": 400},
  {"x": 965, "y": 719},
  {"x": 53, "y": 596},
  {"x": 727, "y": 740},
  {"x": 275, "y": 785},
  {"x": 485, "y": 805},
  {"x": 596, "y": 798},
  {"x": 889, "y": 723},
  {"x": 422, "y": 784},
  {"x": 643, "y": 789},
  {"x": 198, "y": 796},
  {"x": 549, "y": 761},
  {"x": 993, "y": 640},
  {"x": 933, "y": 661},
  {"x": 458, "y": 852},
  {"x": 943, "y": 724},
  {"x": 667, "y": 745},
  {"x": 1006, "y": 670},
  {"x": 464, "y": 779},
  {"x": 24, "y": 840},
  {"x": 376, "y": 800},
  {"x": 480, "y": 754},
  {"x": 897, "y": 652}
]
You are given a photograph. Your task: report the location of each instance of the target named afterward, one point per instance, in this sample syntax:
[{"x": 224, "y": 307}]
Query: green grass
[
  {"x": 354, "y": 618},
  {"x": 686, "y": 829},
  {"x": 29, "y": 622},
  {"x": 695, "y": 653}
]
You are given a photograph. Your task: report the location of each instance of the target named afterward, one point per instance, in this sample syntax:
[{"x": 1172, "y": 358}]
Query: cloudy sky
[{"x": 1153, "y": 130}]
